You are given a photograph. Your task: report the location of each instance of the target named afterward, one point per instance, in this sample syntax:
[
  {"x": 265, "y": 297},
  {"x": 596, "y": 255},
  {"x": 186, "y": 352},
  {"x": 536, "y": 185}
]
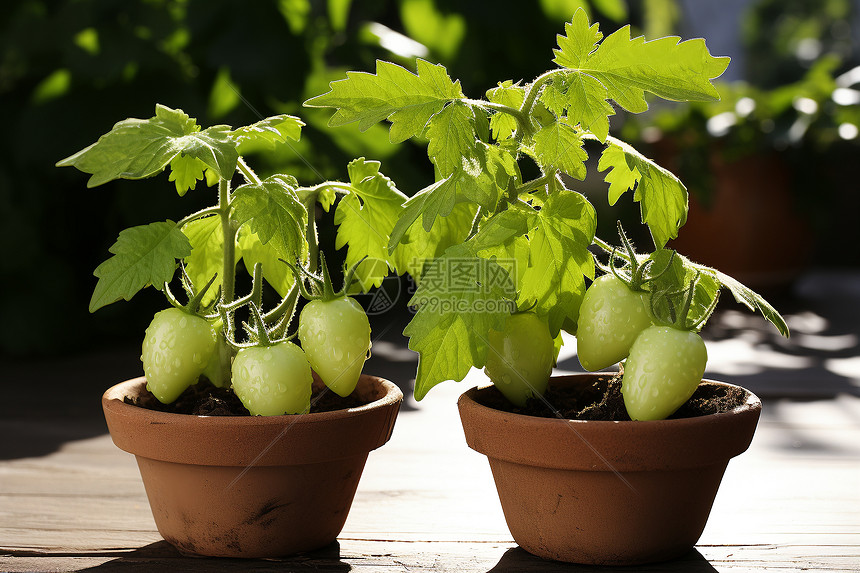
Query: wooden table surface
[{"x": 71, "y": 501}]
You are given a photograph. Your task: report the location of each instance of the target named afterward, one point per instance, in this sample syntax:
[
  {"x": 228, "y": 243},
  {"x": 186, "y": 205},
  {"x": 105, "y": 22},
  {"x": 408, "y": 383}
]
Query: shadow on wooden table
[
  {"x": 517, "y": 560},
  {"x": 161, "y": 556}
]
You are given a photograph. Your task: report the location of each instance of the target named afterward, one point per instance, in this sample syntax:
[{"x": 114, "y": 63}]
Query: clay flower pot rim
[
  {"x": 299, "y": 438},
  {"x": 752, "y": 402},
  {"x": 598, "y": 445},
  {"x": 114, "y": 399}
]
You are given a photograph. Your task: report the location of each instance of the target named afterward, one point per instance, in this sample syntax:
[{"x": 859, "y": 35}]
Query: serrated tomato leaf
[
  {"x": 143, "y": 255},
  {"x": 662, "y": 197},
  {"x": 394, "y": 93},
  {"x": 559, "y": 146},
  {"x": 138, "y": 148},
  {"x": 365, "y": 218},
  {"x": 559, "y": 259},
  {"x": 627, "y": 68},
  {"x": 460, "y": 298},
  {"x": 268, "y": 132},
  {"x": 273, "y": 211}
]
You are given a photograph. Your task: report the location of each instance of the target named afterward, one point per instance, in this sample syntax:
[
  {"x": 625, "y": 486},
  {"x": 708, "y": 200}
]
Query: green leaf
[
  {"x": 143, "y": 255},
  {"x": 206, "y": 259},
  {"x": 137, "y": 148},
  {"x": 662, "y": 197},
  {"x": 275, "y": 272},
  {"x": 268, "y": 133},
  {"x": 580, "y": 39},
  {"x": 503, "y": 125},
  {"x": 460, "y": 298},
  {"x": 407, "y": 100},
  {"x": 186, "y": 172},
  {"x": 559, "y": 146},
  {"x": 666, "y": 67},
  {"x": 559, "y": 259},
  {"x": 753, "y": 301},
  {"x": 417, "y": 245},
  {"x": 273, "y": 211},
  {"x": 583, "y": 99},
  {"x": 452, "y": 138},
  {"x": 365, "y": 218},
  {"x": 502, "y": 238}
]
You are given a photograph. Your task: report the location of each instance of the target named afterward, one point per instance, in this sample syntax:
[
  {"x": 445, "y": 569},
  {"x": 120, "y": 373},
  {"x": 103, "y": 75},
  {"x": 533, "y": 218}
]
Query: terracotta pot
[
  {"x": 751, "y": 230},
  {"x": 251, "y": 486},
  {"x": 608, "y": 493}
]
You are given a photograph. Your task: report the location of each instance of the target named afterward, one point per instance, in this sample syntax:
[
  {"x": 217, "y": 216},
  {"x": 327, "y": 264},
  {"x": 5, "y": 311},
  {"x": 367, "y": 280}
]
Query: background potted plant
[
  {"x": 511, "y": 251},
  {"x": 220, "y": 481},
  {"x": 764, "y": 165}
]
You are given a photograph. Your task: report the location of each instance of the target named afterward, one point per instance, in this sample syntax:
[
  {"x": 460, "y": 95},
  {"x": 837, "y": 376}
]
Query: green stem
[
  {"x": 337, "y": 186},
  {"x": 523, "y": 121},
  {"x": 198, "y": 215},
  {"x": 246, "y": 170},
  {"x": 476, "y": 222},
  {"x": 531, "y": 96},
  {"x": 228, "y": 275},
  {"x": 533, "y": 184},
  {"x": 310, "y": 202}
]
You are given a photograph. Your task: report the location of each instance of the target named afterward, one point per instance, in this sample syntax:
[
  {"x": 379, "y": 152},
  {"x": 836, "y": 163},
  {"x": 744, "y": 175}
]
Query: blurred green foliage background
[{"x": 70, "y": 69}]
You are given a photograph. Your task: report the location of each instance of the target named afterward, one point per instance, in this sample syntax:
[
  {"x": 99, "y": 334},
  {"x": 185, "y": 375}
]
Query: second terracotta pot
[
  {"x": 251, "y": 486},
  {"x": 609, "y": 493}
]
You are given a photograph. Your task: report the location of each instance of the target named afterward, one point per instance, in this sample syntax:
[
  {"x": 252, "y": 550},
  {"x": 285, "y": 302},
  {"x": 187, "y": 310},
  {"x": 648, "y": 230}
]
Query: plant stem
[
  {"x": 476, "y": 222},
  {"x": 533, "y": 184},
  {"x": 531, "y": 96},
  {"x": 248, "y": 172},
  {"x": 198, "y": 215},
  {"x": 228, "y": 275},
  {"x": 522, "y": 118},
  {"x": 310, "y": 202},
  {"x": 337, "y": 186}
]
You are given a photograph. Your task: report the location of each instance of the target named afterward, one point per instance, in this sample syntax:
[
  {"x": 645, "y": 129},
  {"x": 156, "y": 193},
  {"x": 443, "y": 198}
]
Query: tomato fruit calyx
[
  {"x": 679, "y": 318},
  {"x": 321, "y": 287},
  {"x": 636, "y": 274}
]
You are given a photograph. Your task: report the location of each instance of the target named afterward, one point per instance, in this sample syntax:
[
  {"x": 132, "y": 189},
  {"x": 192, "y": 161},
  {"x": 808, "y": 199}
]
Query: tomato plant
[
  {"x": 262, "y": 222},
  {"x": 498, "y": 240}
]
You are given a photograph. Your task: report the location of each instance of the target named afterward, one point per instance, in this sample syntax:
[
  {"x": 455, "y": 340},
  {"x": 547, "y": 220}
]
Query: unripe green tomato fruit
[
  {"x": 335, "y": 335},
  {"x": 663, "y": 370},
  {"x": 177, "y": 347},
  {"x": 520, "y": 357},
  {"x": 273, "y": 380},
  {"x": 610, "y": 318}
]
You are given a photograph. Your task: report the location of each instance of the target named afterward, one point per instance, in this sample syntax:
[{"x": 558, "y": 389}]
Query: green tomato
[
  {"x": 335, "y": 335},
  {"x": 273, "y": 380},
  {"x": 217, "y": 370},
  {"x": 520, "y": 357},
  {"x": 663, "y": 370},
  {"x": 610, "y": 318},
  {"x": 177, "y": 347}
]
